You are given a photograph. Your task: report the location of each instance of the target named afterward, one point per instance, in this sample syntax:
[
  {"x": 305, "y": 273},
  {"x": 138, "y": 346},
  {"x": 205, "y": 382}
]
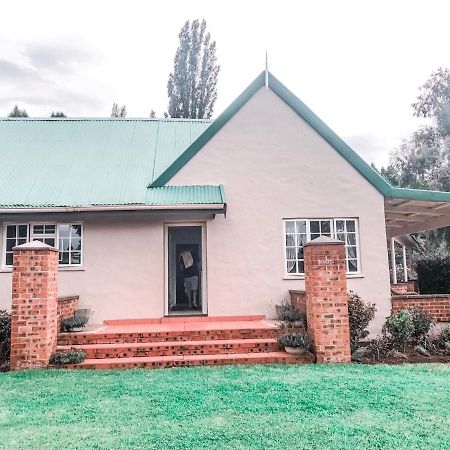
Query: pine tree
[
  {"x": 118, "y": 111},
  {"x": 16, "y": 112},
  {"x": 57, "y": 114},
  {"x": 192, "y": 86}
]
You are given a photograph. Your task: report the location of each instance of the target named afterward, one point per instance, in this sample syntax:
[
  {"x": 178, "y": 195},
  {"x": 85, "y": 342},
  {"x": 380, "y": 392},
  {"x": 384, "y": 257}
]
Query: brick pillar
[
  {"x": 326, "y": 299},
  {"x": 34, "y": 305}
]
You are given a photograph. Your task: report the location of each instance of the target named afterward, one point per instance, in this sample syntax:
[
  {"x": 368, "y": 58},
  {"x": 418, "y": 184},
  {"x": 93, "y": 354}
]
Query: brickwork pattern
[
  {"x": 404, "y": 288},
  {"x": 298, "y": 299},
  {"x": 66, "y": 308},
  {"x": 437, "y": 306},
  {"x": 326, "y": 301},
  {"x": 34, "y": 307}
]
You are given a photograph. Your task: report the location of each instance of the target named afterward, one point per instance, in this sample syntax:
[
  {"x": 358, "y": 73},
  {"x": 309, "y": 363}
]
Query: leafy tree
[
  {"x": 57, "y": 114},
  {"x": 118, "y": 111},
  {"x": 192, "y": 86},
  {"x": 423, "y": 160},
  {"x": 16, "y": 112},
  {"x": 152, "y": 114}
]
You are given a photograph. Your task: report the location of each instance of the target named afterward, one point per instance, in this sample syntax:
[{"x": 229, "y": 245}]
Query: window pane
[
  {"x": 290, "y": 240},
  {"x": 38, "y": 229},
  {"x": 23, "y": 231},
  {"x": 290, "y": 227},
  {"x": 64, "y": 244},
  {"x": 314, "y": 236},
  {"x": 11, "y": 231},
  {"x": 50, "y": 241},
  {"x": 341, "y": 237},
  {"x": 75, "y": 230},
  {"x": 352, "y": 265},
  {"x": 350, "y": 225},
  {"x": 301, "y": 226},
  {"x": 301, "y": 266},
  {"x": 351, "y": 252},
  {"x": 290, "y": 266},
  {"x": 21, "y": 241},
  {"x": 340, "y": 226},
  {"x": 301, "y": 239},
  {"x": 75, "y": 258},
  {"x": 325, "y": 227},
  {"x": 9, "y": 259},
  {"x": 351, "y": 238},
  {"x": 314, "y": 226},
  {"x": 10, "y": 243},
  {"x": 49, "y": 229},
  {"x": 64, "y": 257},
  {"x": 300, "y": 253},
  {"x": 290, "y": 252},
  {"x": 64, "y": 230}
]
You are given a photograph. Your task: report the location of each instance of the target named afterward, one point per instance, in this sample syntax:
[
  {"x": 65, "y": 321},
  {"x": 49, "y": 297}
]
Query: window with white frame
[
  {"x": 67, "y": 237},
  {"x": 299, "y": 231}
]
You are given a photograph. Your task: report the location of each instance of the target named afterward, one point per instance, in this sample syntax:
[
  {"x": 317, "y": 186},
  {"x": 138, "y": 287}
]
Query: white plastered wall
[{"x": 273, "y": 165}]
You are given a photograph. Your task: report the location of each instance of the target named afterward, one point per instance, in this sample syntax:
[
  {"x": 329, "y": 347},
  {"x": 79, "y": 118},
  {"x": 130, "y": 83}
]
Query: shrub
[
  {"x": 359, "y": 314},
  {"x": 445, "y": 335},
  {"x": 422, "y": 322},
  {"x": 72, "y": 356},
  {"x": 399, "y": 328},
  {"x": 299, "y": 340},
  {"x": 287, "y": 312},
  {"x": 5, "y": 336},
  {"x": 72, "y": 322},
  {"x": 433, "y": 273}
]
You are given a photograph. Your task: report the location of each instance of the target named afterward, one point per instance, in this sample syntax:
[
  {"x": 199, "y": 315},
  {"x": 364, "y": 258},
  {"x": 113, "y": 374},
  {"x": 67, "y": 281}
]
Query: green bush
[
  {"x": 445, "y": 335},
  {"x": 399, "y": 328},
  {"x": 72, "y": 356},
  {"x": 359, "y": 314},
  {"x": 422, "y": 323},
  {"x": 433, "y": 273},
  {"x": 5, "y": 337},
  {"x": 298, "y": 340}
]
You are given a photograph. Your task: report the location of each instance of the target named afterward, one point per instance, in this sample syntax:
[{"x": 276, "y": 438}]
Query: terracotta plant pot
[{"x": 295, "y": 350}]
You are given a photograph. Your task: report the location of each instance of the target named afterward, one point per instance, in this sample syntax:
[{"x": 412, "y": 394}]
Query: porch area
[{"x": 180, "y": 341}]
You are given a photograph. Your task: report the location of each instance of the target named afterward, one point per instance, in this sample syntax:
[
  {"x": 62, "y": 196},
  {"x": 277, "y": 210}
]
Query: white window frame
[
  {"x": 30, "y": 235},
  {"x": 333, "y": 220}
]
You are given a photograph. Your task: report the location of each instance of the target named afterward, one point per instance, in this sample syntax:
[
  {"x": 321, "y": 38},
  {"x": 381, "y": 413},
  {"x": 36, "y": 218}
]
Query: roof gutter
[{"x": 220, "y": 207}]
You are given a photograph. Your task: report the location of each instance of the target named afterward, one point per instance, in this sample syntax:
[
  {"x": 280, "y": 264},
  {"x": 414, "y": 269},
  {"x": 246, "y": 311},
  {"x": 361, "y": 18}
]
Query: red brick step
[
  {"x": 193, "y": 360},
  {"x": 203, "y": 347}
]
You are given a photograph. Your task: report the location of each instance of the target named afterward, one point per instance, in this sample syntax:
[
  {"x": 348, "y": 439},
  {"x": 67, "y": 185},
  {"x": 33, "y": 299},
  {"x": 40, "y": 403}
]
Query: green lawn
[{"x": 280, "y": 407}]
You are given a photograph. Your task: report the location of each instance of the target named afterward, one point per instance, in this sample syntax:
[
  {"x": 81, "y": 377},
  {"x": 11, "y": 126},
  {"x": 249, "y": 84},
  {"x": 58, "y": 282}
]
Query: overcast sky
[{"x": 357, "y": 64}]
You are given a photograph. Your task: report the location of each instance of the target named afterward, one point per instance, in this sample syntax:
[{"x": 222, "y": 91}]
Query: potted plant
[
  {"x": 295, "y": 343},
  {"x": 77, "y": 322}
]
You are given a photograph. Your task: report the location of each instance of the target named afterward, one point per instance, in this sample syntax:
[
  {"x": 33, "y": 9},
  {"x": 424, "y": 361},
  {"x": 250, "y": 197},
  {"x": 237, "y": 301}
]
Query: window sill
[
  {"x": 60, "y": 269},
  {"x": 302, "y": 277}
]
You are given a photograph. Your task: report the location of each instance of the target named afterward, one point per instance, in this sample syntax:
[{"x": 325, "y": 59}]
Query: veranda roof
[{"x": 412, "y": 211}]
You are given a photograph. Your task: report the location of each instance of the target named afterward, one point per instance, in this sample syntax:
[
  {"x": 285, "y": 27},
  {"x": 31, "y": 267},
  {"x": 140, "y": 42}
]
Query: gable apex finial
[{"x": 266, "y": 80}]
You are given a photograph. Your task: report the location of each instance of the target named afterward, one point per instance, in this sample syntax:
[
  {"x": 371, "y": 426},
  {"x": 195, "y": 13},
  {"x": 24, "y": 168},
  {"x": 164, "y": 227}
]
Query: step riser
[
  {"x": 94, "y": 353},
  {"x": 216, "y": 362},
  {"x": 119, "y": 338}
]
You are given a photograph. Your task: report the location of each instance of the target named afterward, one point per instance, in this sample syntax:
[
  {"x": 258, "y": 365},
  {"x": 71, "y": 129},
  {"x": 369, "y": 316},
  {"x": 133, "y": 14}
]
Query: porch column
[
  {"x": 393, "y": 263},
  {"x": 326, "y": 299},
  {"x": 34, "y": 305}
]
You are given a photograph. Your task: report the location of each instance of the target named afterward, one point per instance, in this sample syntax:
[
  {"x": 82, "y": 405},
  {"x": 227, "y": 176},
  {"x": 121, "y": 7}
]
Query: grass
[{"x": 240, "y": 407}]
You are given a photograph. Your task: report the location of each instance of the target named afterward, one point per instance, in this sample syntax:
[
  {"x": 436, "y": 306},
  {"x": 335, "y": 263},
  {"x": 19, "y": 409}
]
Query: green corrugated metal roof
[{"x": 82, "y": 162}]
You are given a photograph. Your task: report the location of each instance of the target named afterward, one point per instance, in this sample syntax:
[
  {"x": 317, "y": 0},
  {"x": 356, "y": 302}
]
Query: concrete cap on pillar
[
  {"x": 35, "y": 245},
  {"x": 324, "y": 240}
]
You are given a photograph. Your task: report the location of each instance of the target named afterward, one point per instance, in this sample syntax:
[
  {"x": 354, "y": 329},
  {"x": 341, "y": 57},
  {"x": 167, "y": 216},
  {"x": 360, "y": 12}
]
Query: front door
[{"x": 185, "y": 270}]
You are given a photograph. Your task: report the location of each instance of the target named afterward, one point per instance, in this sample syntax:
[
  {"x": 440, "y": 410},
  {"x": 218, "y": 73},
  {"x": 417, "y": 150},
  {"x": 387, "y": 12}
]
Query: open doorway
[{"x": 185, "y": 287}]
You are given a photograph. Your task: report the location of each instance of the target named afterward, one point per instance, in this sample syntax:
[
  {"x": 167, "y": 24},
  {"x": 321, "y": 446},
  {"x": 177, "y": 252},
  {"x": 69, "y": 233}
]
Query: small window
[
  {"x": 300, "y": 231},
  {"x": 15, "y": 235},
  {"x": 66, "y": 237}
]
